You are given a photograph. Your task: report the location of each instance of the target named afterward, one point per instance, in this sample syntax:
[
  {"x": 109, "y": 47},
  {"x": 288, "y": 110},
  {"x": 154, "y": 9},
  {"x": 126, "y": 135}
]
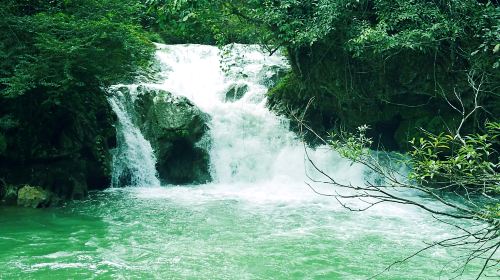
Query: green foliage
[
  {"x": 466, "y": 166},
  {"x": 492, "y": 213},
  {"x": 366, "y": 28},
  {"x": 488, "y": 52},
  {"x": 352, "y": 146},
  {"x": 296, "y": 23},
  {"x": 415, "y": 25},
  {"x": 205, "y": 21},
  {"x": 379, "y": 26},
  {"x": 60, "y": 49},
  {"x": 391, "y": 64},
  {"x": 56, "y": 59},
  {"x": 469, "y": 164}
]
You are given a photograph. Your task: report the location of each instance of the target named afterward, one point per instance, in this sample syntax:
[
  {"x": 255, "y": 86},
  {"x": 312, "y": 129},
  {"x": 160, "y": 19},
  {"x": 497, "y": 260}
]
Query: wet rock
[
  {"x": 171, "y": 117},
  {"x": 33, "y": 197},
  {"x": 185, "y": 163},
  {"x": 236, "y": 91},
  {"x": 177, "y": 131}
]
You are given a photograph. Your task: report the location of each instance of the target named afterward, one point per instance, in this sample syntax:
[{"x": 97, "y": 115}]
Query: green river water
[{"x": 205, "y": 233}]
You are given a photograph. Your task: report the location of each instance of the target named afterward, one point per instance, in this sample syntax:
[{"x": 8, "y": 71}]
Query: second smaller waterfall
[{"x": 133, "y": 159}]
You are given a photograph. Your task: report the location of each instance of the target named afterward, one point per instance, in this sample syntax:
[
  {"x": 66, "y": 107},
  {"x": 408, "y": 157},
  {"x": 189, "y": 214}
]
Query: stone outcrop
[{"x": 177, "y": 131}]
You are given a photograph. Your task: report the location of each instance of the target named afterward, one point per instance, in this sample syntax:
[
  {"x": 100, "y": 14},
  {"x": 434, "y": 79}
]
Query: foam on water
[{"x": 253, "y": 154}]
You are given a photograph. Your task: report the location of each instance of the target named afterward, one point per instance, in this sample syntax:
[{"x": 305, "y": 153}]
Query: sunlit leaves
[
  {"x": 353, "y": 146},
  {"x": 470, "y": 163}
]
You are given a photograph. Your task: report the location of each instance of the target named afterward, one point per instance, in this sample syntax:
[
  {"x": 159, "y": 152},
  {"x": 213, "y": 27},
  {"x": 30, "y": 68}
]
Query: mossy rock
[
  {"x": 33, "y": 197},
  {"x": 177, "y": 131},
  {"x": 174, "y": 126}
]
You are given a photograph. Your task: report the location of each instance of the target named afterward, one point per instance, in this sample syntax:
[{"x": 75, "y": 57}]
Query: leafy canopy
[{"x": 60, "y": 44}]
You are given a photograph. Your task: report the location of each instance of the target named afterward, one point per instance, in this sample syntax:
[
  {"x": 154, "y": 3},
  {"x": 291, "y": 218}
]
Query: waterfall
[
  {"x": 249, "y": 143},
  {"x": 133, "y": 159},
  {"x": 247, "y": 138}
]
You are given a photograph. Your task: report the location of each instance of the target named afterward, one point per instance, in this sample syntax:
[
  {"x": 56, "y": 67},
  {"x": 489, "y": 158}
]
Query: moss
[{"x": 32, "y": 197}]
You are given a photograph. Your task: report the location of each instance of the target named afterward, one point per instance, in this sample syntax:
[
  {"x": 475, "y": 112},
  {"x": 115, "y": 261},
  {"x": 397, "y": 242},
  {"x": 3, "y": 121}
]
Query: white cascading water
[
  {"x": 251, "y": 146},
  {"x": 133, "y": 158},
  {"x": 253, "y": 154},
  {"x": 247, "y": 138},
  {"x": 249, "y": 143}
]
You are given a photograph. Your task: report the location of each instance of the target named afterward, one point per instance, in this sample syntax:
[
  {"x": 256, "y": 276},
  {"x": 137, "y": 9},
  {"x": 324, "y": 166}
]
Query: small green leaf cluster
[
  {"x": 491, "y": 213},
  {"x": 466, "y": 167},
  {"x": 352, "y": 146},
  {"x": 470, "y": 163}
]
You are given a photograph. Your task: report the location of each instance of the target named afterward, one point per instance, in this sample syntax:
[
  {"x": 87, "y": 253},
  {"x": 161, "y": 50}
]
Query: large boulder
[
  {"x": 33, "y": 197},
  {"x": 165, "y": 116},
  {"x": 177, "y": 131}
]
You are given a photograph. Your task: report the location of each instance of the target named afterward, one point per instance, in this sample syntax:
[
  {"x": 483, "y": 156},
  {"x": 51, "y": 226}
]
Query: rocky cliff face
[{"x": 62, "y": 146}]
